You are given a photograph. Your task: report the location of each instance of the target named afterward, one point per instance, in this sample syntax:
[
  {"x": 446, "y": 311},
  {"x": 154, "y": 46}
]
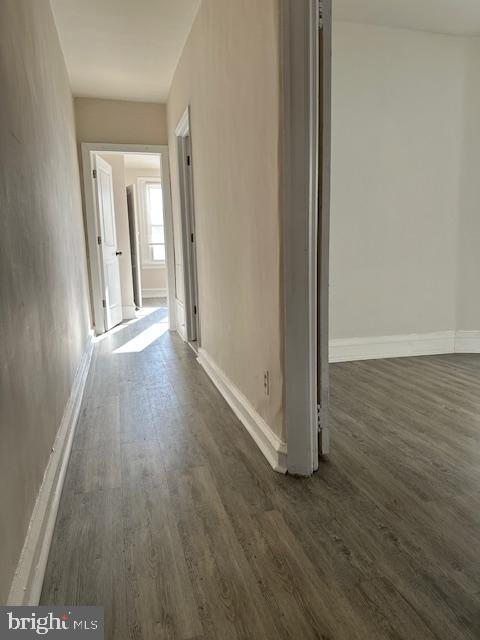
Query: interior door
[
  {"x": 112, "y": 297},
  {"x": 134, "y": 246},
  {"x": 195, "y": 322}
]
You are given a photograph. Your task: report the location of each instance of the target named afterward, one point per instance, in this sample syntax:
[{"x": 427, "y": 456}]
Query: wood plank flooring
[{"x": 171, "y": 518}]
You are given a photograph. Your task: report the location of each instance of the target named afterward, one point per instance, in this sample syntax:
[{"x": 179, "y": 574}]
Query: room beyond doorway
[{"x": 130, "y": 232}]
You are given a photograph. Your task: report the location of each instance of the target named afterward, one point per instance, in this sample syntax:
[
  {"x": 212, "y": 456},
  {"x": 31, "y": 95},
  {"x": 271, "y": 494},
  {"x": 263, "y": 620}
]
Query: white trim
[
  {"x": 299, "y": 171},
  {"x": 91, "y": 215},
  {"x": 402, "y": 346},
  {"x": 28, "y": 579},
  {"x": 154, "y": 293},
  {"x": 187, "y": 227},
  {"x": 154, "y": 266},
  {"x": 169, "y": 239},
  {"x": 396, "y": 346},
  {"x": 467, "y": 342},
  {"x": 128, "y": 312},
  {"x": 183, "y": 126},
  {"x": 323, "y": 97},
  {"x": 272, "y": 447}
]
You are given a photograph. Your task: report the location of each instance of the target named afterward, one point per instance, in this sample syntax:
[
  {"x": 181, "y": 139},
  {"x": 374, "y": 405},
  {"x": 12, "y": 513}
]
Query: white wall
[
  {"x": 468, "y": 273},
  {"x": 397, "y": 136}
]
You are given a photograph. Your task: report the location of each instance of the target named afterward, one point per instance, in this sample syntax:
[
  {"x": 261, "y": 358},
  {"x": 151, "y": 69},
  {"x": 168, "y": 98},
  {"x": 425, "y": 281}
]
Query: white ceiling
[
  {"x": 456, "y": 17},
  {"x": 142, "y": 161},
  {"x": 123, "y": 49}
]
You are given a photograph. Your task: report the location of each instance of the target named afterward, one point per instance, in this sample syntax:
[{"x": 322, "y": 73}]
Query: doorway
[
  {"x": 129, "y": 232},
  {"x": 189, "y": 241}
]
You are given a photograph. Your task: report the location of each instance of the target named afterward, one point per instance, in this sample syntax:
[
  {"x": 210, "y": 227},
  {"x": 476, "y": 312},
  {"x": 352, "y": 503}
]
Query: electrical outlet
[{"x": 266, "y": 382}]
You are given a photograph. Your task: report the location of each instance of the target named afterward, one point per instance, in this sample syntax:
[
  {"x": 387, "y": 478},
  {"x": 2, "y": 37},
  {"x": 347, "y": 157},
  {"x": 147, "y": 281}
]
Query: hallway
[
  {"x": 301, "y": 185},
  {"x": 172, "y": 519}
]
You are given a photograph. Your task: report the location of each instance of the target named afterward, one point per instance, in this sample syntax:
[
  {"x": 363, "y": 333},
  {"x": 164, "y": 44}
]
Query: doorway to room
[{"x": 129, "y": 232}]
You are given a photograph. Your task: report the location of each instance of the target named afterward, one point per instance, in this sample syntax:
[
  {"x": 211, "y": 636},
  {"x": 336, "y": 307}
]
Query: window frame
[{"x": 146, "y": 260}]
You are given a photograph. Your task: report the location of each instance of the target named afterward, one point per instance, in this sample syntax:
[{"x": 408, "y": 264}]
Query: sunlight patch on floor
[
  {"x": 139, "y": 315},
  {"x": 144, "y": 339}
]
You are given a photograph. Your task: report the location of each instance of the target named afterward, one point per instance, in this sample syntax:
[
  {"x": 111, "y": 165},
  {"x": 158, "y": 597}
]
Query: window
[
  {"x": 153, "y": 237},
  {"x": 156, "y": 231}
]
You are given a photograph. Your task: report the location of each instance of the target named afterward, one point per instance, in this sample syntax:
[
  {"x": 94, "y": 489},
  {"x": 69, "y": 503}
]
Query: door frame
[
  {"x": 305, "y": 171},
  {"x": 188, "y": 230},
  {"x": 88, "y": 150}
]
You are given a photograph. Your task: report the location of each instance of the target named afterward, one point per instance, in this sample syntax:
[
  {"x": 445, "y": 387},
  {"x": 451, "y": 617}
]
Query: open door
[
  {"x": 134, "y": 246},
  {"x": 112, "y": 297},
  {"x": 323, "y": 235},
  {"x": 192, "y": 245}
]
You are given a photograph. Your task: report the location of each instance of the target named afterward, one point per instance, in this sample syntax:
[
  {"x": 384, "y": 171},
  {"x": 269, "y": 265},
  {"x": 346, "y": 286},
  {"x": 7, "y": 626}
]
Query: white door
[
  {"x": 112, "y": 297},
  {"x": 195, "y": 324},
  {"x": 134, "y": 246}
]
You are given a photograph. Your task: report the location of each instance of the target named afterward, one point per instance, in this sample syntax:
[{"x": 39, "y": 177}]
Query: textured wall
[
  {"x": 43, "y": 285},
  {"x": 229, "y": 74}
]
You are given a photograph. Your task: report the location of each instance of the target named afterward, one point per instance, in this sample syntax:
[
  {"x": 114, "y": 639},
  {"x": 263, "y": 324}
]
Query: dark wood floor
[{"x": 171, "y": 518}]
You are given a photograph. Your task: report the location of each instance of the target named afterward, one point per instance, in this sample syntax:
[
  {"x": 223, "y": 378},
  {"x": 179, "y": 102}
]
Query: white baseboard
[
  {"x": 467, "y": 342},
  {"x": 128, "y": 312},
  {"x": 398, "y": 346},
  {"x": 154, "y": 293},
  {"x": 344, "y": 350},
  {"x": 272, "y": 447},
  {"x": 28, "y": 579}
]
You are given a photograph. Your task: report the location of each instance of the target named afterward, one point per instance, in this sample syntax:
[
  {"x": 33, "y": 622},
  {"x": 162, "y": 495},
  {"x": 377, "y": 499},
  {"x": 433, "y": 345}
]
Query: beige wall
[
  {"x": 152, "y": 278},
  {"x": 120, "y": 122},
  {"x": 116, "y": 161},
  {"x": 43, "y": 285},
  {"x": 229, "y": 74},
  {"x": 398, "y": 101},
  {"x": 155, "y": 278}
]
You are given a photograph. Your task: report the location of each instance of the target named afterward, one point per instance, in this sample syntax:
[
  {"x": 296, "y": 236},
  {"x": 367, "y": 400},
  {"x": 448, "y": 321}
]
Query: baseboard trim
[
  {"x": 401, "y": 346},
  {"x": 272, "y": 447},
  {"x": 154, "y": 293},
  {"x": 128, "y": 312},
  {"x": 27, "y": 582},
  {"x": 397, "y": 346},
  {"x": 467, "y": 342}
]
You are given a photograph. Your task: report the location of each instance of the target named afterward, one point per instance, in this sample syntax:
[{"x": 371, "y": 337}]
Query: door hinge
[
  {"x": 188, "y": 160},
  {"x": 320, "y": 14},
  {"x": 195, "y": 309},
  {"x": 191, "y": 237},
  {"x": 99, "y": 239},
  {"x": 319, "y": 417},
  {"x": 104, "y": 303},
  {"x": 94, "y": 173}
]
